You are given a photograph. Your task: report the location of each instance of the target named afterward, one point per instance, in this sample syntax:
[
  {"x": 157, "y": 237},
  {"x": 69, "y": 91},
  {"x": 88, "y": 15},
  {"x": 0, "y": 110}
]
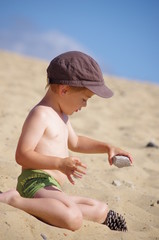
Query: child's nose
[{"x": 85, "y": 104}]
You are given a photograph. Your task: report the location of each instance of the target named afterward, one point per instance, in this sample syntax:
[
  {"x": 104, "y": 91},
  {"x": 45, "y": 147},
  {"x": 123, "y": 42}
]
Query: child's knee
[
  {"x": 101, "y": 212},
  {"x": 74, "y": 219}
]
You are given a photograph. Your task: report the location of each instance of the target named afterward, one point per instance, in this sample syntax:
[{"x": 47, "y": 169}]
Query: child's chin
[{"x": 70, "y": 113}]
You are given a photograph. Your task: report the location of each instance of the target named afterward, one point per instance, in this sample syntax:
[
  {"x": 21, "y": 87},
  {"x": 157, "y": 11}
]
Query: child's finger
[
  {"x": 79, "y": 163},
  {"x": 77, "y": 175},
  {"x": 110, "y": 159},
  {"x": 71, "y": 179},
  {"x": 80, "y": 171},
  {"x": 130, "y": 157}
]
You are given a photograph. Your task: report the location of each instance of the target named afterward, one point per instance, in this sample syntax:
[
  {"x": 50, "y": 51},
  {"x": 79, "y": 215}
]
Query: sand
[{"x": 129, "y": 120}]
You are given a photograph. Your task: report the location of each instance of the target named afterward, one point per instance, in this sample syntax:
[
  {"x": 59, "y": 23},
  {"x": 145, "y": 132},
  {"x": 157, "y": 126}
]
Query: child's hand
[
  {"x": 113, "y": 151},
  {"x": 71, "y": 166}
]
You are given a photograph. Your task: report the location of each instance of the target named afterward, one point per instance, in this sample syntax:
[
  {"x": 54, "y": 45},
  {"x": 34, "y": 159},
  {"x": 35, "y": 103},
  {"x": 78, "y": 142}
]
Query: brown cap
[{"x": 79, "y": 70}]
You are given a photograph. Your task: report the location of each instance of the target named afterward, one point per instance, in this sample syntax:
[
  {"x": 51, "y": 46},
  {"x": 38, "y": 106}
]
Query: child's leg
[
  {"x": 98, "y": 212},
  {"x": 91, "y": 209},
  {"x": 59, "y": 211}
]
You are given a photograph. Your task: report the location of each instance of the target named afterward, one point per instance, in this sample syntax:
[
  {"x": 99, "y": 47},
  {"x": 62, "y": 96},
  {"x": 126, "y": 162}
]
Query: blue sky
[{"x": 122, "y": 35}]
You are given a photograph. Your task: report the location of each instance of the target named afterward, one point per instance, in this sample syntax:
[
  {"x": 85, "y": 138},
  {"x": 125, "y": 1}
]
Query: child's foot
[
  {"x": 7, "y": 197},
  {"x": 115, "y": 221}
]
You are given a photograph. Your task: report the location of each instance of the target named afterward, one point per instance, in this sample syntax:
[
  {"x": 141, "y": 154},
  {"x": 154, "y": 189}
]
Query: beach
[{"x": 129, "y": 120}]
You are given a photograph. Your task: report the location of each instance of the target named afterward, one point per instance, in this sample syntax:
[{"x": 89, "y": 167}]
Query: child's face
[{"x": 73, "y": 101}]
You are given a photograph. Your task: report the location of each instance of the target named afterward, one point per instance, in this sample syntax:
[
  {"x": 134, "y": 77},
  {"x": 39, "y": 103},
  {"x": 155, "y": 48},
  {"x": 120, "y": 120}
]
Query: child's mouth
[{"x": 78, "y": 110}]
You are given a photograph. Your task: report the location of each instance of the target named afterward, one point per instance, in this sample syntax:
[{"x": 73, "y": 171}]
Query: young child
[{"x": 47, "y": 135}]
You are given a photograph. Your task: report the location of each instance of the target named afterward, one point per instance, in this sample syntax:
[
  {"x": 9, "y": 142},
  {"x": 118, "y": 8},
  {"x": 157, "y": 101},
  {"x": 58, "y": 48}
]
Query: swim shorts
[{"x": 30, "y": 181}]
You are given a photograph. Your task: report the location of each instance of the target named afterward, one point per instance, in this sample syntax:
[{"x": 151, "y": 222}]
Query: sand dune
[{"x": 129, "y": 120}]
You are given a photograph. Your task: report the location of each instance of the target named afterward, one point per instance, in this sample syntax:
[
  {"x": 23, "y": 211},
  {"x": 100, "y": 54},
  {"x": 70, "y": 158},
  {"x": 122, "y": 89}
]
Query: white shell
[{"x": 121, "y": 161}]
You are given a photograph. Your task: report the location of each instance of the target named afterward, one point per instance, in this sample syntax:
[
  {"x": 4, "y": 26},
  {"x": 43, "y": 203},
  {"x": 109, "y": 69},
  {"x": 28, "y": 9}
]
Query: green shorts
[{"x": 30, "y": 181}]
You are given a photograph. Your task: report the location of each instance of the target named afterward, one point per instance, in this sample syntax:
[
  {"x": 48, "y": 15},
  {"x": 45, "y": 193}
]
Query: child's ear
[{"x": 63, "y": 89}]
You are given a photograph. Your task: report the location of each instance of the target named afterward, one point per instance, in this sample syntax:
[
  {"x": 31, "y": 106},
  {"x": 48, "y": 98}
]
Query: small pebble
[
  {"x": 116, "y": 183},
  {"x": 152, "y": 144},
  {"x": 152, "y": 205},
  {"x": 43, "y": 236}
]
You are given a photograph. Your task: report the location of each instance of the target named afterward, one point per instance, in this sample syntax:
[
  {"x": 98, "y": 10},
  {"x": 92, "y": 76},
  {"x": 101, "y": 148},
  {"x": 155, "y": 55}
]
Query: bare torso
[{"x": 54, "y": 141}]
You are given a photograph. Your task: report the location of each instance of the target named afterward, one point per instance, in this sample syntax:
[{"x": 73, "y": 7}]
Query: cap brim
[{"x": 101, "y": 91}]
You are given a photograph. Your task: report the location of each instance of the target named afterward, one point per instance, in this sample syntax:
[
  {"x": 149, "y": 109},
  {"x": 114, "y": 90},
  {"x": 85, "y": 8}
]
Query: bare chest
[
  {"x": 56, "y": 131},
  {"x": 55, "y": 138}
]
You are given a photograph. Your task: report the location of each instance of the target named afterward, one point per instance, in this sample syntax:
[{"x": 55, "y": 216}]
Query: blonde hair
[
  {"x": 47, "y": 83},
  {"x": 75, "y": 89}
]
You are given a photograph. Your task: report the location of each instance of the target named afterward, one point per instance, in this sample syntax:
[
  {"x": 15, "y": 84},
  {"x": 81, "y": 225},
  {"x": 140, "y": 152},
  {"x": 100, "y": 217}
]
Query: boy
[{"x": 42, "y": 151}]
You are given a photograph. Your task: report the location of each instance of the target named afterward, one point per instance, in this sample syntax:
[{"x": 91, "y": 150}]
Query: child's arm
[
  {"x": 26, "y": 154},
  {"x": 84, "y": 144}
]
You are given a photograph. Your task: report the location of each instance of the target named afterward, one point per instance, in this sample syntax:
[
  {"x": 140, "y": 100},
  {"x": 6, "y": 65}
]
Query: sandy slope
[{"x": 129, "y": 120}]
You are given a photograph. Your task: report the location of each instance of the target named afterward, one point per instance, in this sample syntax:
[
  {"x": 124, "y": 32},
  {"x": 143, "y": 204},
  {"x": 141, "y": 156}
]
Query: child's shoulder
[
  {"x": 43, "y": 111},
  {"x": 40, "y": 112}
]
